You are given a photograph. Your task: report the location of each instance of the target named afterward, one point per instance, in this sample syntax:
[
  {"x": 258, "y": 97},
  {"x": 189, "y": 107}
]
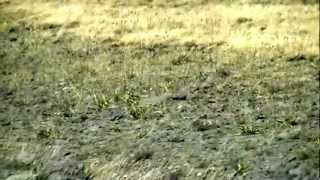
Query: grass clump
[
  {"x": 249, "y": 129},
  {"x": 101, "y": 101},
  {"x": 132, "y": 101}
]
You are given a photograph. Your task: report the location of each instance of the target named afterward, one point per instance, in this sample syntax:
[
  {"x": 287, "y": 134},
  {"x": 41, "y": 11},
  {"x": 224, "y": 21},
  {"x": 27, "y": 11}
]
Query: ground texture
[{"x": 158, "y": 90}]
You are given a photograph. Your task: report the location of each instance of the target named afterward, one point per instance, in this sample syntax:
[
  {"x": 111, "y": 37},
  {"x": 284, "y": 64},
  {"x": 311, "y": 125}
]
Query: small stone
[
  {"x": 113, "y": 114},
  {"x": 298, "y": 57},
  {"x": 211, "y": 101},
  {"x": 203, "y": 125},
  {"x": 179, "y": 97},
  {"x": 84, "y": 117},
  {"x": 176, "y": 139},
  {"x": 142, "y": 154},
  {"x": 262, "y": 28},
  {"x": 13, "y": 38},
  {"x": 241, "y": 20},
  {"x": 172, "y": 176},
  {"x": 5, "y": 123}
]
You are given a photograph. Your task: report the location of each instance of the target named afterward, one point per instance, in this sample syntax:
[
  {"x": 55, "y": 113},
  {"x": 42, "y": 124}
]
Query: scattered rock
[
  {"x": 84, "y": 117},
  {"x": 263, "y": 28},
  {"x": 241, "y": 20},
  {"x": 172, "y": 176},
  {"x": 47, "y": 26},
  {"x": 113, "y": 114},
  {"x": 43, "y": 133},
  {"x": 220, "y": 43},
  {"x": 211, "y": 101},
  {"x": 260, "y": 117},
  {"x": 4, "y": 92},
  {"x": 179, "y": 97},
  {"x": 203, "y": 124},
  {"x": 67, "y": 114},
  {"x": 223, "y": 72},
  {"x": 13, "y": 38},
  {"x": 142, "y": 154},
  {"x": 13, "y": 29},
  {"x": 5, "y": 2},
  {"x": 5, "y": 123},
  {"x": 73, "y": 24},
  {"x": 298, "y": 57},
  {"x": 176, "y": 139}
]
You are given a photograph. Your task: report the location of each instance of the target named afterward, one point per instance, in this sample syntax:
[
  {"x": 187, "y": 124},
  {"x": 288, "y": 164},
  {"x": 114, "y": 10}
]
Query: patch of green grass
[
  {"x": 317, "y": 141},
  {"x": 132, "y": 101},
  {"x": 101, "y": 101},
  {"x": 137, "y": 112},
  {"x": 250, "y": 129}
]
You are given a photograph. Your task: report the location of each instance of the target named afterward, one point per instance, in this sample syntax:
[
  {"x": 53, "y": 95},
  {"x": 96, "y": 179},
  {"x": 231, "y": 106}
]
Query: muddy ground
[{"x": 163, "y": 111}]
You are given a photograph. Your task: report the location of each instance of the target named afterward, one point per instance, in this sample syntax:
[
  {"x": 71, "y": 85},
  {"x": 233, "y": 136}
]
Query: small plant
[
  {"x": 135, "y": 109},
  {"x": 101, "y": 101},
  {"x": 202, "y": 76},
  {"x": 137, "y": 112},
  {"x": 281, "y": 124},
  {"x": 317, "y": 140},
  {"x": 249, "y": 129},
  {"x": 47, "y": 133},
  {"x": 242, "y": 168},
  {"x": 131, "y": 99}
]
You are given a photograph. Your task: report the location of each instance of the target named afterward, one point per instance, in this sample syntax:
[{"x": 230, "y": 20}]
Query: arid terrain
[{"x": 159, "y": 90}]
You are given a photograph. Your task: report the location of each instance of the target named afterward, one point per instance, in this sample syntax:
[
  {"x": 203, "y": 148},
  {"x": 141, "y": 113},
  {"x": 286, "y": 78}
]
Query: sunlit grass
[{"x": 287, "y": 29}]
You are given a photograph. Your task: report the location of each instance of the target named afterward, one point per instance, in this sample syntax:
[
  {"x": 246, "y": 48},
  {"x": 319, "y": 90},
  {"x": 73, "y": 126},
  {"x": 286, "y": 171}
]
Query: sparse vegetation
[
  {"x": 242, "y": 167},
  {"x": 159, "y": 89},
  {"x": 249, "y": 129},
  {"x": 101, "y": 101}
]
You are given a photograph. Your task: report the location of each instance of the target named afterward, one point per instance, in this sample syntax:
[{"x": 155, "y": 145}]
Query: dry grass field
[{"x": 159, "y": 89}]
